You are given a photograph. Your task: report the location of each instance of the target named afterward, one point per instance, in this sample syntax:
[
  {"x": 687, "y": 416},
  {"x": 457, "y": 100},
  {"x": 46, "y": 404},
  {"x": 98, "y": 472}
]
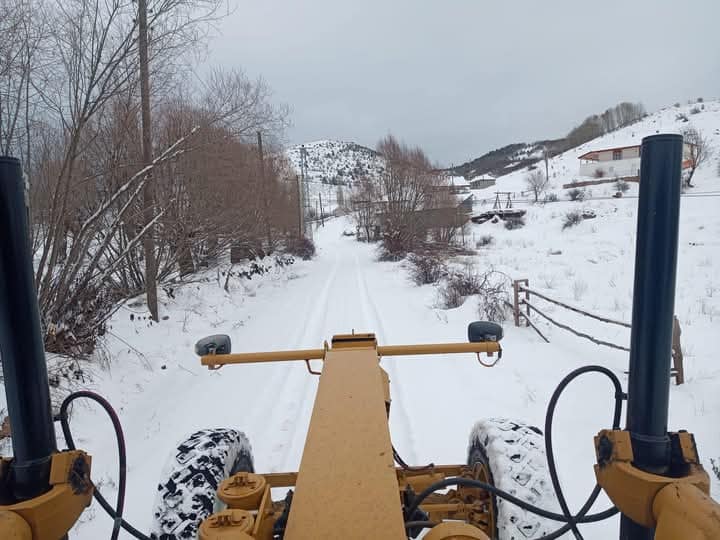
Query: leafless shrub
[
  {"x": 493, "y": 297},
  {"x": 576, "y": 194},
  {"x": 485, "y": 240},
  {"x": 572, "y": 218},
  {"x": 548, "y": 280},
  {"x": 700, "y": 151},
  {"x": 537, "y": 182},
  {"x": 622, "y": 186},
  {"x": 580, "y": 287},
  {"x": 514, "y": 223},
  {"x": 458, "y": 285},
  {"x": 426, "y": 269},
  {"x": 695, "y": 110},
  {"x": 300, "y": 247},
  {"x": 551, "y": 197},
  {"x": 599, "y": 173},
  {"x": 490, "y": 287}
]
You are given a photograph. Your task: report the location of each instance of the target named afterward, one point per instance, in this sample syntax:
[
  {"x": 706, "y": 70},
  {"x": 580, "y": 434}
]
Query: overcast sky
[{"x": 461, "y": 77}]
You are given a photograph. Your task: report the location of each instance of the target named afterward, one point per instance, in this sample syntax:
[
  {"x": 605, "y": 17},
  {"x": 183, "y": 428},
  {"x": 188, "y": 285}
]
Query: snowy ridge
[
  {"x": 564, "y": 168},
  {"x": 505, "y": 160},
  {"x": 337, "y": 162}
]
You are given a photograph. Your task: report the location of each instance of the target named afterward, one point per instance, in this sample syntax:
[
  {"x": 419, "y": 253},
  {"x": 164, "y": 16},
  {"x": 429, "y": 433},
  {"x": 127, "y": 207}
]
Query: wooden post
[
  {"x": 677, "y": 354},
  {"x": 516, "y": 300},
  {"x": 527, "y": 300}
]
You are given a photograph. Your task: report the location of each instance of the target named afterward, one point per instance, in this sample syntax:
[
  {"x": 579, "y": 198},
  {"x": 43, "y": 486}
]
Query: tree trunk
[{"x": 148, "y": 195}]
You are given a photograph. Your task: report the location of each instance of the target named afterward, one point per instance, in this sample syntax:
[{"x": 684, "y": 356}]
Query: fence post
[
  {"x": 516, "y": 300},
  {"x": 527, "y": 300},
  {"x": 677, "y": 354}
]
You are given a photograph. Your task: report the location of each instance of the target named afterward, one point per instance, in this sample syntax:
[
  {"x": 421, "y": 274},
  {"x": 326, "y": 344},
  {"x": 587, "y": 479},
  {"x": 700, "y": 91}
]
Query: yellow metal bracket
[
  {"x": 52, "y": 514},
  {"x": 645, "y": 497}
]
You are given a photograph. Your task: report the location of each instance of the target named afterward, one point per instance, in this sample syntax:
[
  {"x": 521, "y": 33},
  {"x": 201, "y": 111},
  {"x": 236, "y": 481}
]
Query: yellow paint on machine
[{"x": 348, "y": 445}]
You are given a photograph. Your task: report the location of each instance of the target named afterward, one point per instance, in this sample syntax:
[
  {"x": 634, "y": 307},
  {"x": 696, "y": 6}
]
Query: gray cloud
[{"x": 461, "y": 77}]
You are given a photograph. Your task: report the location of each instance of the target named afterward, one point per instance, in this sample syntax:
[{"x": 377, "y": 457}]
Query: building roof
[
  {"x": 484, "y": 177},
  {"x": 458, "y": 181},
  {"x": 593, "y": 154}
]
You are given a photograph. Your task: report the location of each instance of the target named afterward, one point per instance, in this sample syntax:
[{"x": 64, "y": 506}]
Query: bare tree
[
  {"x": 69, "y": 107},
  {"x": 537, "y": 182},
  {"x": 408, "y": 185},
  {"x": 366, "y": 203},
  {"x": 699, "y": 151}
]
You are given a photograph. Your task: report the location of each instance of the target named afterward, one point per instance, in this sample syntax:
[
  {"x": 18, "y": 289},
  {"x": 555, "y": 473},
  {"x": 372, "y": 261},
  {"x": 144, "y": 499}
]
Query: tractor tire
[
  {"x": 187, "y": 491},
  {"x": 513, "y": 455}
]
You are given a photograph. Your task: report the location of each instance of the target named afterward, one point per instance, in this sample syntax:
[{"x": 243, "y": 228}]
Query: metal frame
[{"x": 348, "y": 486}]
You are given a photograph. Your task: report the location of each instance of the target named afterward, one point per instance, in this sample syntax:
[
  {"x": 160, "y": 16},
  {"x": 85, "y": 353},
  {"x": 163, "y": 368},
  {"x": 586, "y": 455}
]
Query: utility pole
[
  {"x": 148, "y": 195},
  {"x": 301, "y": 221},
  {"x": 305, "y": 189},
  {"x": 266, "y": 198},
  {"x": 322, "y": 217}
]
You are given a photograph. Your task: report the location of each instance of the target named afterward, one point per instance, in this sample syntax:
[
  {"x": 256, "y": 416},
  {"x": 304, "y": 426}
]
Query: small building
[
  {"x": 482, "y": 182},
  {"x": 458, "y": 185},
  {"x": 619, "y": 162},
  {"x": 465, "y": 202}
]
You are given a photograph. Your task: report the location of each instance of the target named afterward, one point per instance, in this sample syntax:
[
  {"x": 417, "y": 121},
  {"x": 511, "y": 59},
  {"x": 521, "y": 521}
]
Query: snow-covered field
[
  {"x": 436, "y": 401},
  {"x": 162, "y": 394}
]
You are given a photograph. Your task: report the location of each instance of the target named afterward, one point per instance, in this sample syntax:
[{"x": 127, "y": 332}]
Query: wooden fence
[{"x": 522, "y": 308}]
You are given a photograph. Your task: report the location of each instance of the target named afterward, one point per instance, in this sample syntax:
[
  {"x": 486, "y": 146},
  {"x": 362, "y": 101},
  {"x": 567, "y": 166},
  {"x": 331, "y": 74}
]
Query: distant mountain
[
  {"x": 337, "y": 162},
  {"x": 507, "y": 159},
  {"x": 516, "y": 156},
  {"x": 564, "y": 168}
]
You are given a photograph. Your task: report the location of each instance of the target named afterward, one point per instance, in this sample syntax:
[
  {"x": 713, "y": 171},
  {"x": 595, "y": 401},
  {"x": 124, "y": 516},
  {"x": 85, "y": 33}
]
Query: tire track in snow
[
  {"x": 396, "y": 391},
  {"x": 299, "y": 385}
]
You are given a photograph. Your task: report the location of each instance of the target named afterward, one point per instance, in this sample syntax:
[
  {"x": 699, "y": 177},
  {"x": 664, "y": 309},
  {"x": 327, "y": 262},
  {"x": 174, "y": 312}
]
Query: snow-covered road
[{"x": 164, "y": 395}]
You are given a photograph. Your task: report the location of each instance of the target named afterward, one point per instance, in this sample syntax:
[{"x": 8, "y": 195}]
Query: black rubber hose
[
  {"x": 117, "y": 512},
  {"x": 552, "y": 469},
  {"x": 420, "y": 524},
  {"x": 455, "y": 481},
  {"x": 570, "y": 520},
  {"x": 581, "y": 514}
]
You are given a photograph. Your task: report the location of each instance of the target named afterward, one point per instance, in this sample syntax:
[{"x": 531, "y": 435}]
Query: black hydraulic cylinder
[
  {"x": 21, "y": 343},
  {"x": 653, "y": 308}
]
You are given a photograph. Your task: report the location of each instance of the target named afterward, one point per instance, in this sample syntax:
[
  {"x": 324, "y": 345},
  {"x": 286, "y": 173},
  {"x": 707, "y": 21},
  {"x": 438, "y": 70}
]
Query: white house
[
  {"x": 619, "y": 162},
  {"x": 482, "y": 182},
  {"x": 458, "y": 185}
]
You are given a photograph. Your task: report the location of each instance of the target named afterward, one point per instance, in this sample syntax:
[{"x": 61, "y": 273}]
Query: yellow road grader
[{"x": 352, "y": 483}]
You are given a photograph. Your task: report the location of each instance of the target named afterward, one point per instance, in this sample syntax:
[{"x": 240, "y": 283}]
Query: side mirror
[
  {"x": 218, "y": 344},
  {"x": 480, "y": 331}
]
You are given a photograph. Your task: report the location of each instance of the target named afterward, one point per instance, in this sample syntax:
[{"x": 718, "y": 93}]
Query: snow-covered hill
[
  {"x": 564, "y": 168},
  {"x": 337, "y": 162},
  {"x": 332, "y": 168},
  {"x": 507, "y": 159}
]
